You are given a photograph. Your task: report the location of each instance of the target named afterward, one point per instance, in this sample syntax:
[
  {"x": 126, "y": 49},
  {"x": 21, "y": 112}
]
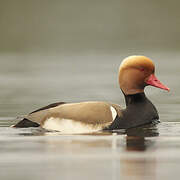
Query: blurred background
[
  {"x": 66, "y": 50},
  {"x": 84, "y": 25}
]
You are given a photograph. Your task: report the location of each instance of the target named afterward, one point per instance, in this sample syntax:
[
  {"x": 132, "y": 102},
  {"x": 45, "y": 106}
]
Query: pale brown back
[{"x": 85, "y": 112}]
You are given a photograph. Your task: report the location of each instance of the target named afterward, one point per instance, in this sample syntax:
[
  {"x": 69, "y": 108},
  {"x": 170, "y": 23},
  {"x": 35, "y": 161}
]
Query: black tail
[{"x": 25, "y": 123}]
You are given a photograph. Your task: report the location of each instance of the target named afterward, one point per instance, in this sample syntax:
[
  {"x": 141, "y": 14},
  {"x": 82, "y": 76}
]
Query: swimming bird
[{"x": 135, "y": 73}]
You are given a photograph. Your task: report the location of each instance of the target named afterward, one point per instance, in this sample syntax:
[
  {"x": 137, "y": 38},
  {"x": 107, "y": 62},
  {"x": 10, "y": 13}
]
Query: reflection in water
[
  {"x": 145, "y": 131},
  {"x": 136, "y": 138},
  {"x": 113, "y": 156},
  {"x": 143, "y": 168},
  {"x": 135, "y": 143},
  {"x": 33, "y": 131},
  {"x": 117, "y": 156},
  {"x": 140, "y": 167},
  {"x": 134, "y": 155}
]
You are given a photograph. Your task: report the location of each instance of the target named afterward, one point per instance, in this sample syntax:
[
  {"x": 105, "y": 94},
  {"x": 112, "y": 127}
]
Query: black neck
[{"x": 135, "y": 98}]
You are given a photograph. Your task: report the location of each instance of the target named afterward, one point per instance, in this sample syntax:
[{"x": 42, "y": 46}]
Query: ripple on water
[{"x": 141, "y": 153}]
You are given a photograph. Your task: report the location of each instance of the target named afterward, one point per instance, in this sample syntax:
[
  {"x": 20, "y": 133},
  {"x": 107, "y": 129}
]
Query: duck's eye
[{"x": 142, "y": 69}]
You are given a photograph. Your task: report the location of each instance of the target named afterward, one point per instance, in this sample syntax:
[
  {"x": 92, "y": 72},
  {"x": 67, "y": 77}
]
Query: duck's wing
[
  {"x": 25, "y": 123},
  {"x": 72, "y": 117},
  {"x": 49, "y": 106}
]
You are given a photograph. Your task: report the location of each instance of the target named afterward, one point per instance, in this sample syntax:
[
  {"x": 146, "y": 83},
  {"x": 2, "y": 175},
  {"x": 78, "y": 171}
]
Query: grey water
[
  {"x": 70, "y": 51},
  {"x": 31, "y": 80}
]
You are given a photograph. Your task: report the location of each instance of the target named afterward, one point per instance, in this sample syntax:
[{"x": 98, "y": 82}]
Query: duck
[{"x": 135, "y": 73}]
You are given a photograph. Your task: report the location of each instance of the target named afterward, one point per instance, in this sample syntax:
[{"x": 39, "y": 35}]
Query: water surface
[{"x": 29, "y": 81}]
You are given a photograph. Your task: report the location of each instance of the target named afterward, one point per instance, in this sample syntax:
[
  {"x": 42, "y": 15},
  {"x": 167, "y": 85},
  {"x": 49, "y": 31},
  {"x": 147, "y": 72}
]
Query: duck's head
[{"x": 137, "y": 72}]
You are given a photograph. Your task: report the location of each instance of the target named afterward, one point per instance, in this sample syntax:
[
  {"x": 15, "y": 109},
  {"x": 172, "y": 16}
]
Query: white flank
[
  {"x": 114, "y": 113},
  {"x": 68, "y": 126}
]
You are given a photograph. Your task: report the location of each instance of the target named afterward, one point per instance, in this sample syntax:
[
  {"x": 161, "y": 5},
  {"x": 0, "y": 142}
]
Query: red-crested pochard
[{"x": 135, "y": 73}]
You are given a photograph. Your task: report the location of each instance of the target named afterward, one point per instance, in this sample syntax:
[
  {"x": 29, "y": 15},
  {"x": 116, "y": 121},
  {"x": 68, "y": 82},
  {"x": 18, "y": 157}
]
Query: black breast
[{"x": 139, "y": 111}]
